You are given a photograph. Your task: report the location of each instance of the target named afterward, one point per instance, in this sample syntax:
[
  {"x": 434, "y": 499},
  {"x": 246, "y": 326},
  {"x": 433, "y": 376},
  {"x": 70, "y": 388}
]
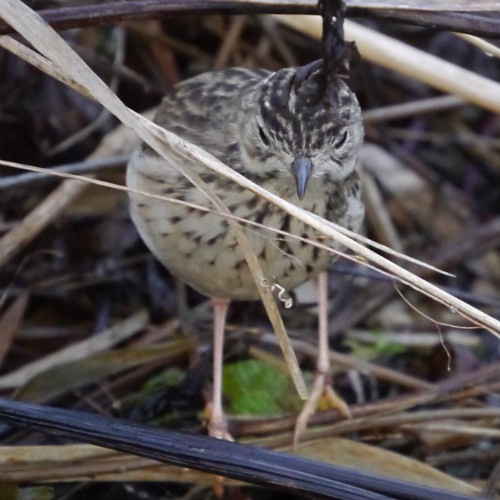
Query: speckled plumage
[{"x": 257, "y": 123}]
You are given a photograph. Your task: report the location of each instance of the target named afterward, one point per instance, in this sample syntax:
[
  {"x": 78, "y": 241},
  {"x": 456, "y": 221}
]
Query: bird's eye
[
  {"x": 342, "y": 140},
  {"x": 263, "y": 136}
]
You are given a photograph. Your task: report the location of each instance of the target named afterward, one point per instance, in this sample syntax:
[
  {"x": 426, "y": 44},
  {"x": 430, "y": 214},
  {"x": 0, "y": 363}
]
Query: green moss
[{"x": 252, "y": 387}]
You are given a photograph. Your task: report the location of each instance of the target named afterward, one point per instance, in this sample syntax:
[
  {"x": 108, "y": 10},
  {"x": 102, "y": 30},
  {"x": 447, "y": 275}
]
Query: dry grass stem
[
  {"x": 409, "y": 61},
  {"x": 39, "y": 218},
  {"x": 100, "y": 342},
  {"x": 243, "y": 222},
  {"x": 486, "y": 47}
]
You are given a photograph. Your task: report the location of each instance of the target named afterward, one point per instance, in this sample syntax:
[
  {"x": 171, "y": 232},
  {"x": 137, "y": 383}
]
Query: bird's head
[{"x": 302, "y": 127}]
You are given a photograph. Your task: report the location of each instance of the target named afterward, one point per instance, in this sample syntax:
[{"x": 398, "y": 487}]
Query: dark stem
[
  {"x": 114, "y": 12},
  {"x": 235, "y": 460},
  {"x": 333, "y": 12}
]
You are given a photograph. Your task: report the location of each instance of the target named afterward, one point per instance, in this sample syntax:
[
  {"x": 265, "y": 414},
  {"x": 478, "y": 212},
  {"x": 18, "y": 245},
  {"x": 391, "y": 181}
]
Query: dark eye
[
  {"x": 263, "y": 136},
  {"x": 342, "y": 140}
]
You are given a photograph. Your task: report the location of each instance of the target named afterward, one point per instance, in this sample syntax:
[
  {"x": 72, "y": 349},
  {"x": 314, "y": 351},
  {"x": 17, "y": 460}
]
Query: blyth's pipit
[{"x": 289, "y": 132}]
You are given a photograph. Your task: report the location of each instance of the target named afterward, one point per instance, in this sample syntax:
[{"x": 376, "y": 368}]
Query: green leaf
[{"x": 253, "y": 387}]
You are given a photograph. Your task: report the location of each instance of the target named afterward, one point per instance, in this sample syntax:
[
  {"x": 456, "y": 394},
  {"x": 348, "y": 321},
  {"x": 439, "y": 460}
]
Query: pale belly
[{"x": 199, "y": 247}]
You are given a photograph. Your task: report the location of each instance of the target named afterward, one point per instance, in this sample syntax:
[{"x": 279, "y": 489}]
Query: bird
[{"x": 295, "y": 132}]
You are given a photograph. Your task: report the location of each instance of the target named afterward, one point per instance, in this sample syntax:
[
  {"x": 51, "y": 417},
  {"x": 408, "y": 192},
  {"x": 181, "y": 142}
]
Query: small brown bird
[{"x": 292, "y": 133}]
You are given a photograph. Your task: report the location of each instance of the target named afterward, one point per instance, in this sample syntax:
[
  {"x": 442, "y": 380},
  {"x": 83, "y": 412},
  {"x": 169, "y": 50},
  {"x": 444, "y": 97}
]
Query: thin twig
[
  {"x": 413, "y": 108},
  {"x": 79, "y": 167},
  {"x": 38, "y": 219}
]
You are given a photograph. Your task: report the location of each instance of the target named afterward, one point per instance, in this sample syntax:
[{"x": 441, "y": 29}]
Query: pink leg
[
  {"x": 321, "y": 388},
  {"x": 323, "y": 360},
  {"x": 217, "y": 425}
]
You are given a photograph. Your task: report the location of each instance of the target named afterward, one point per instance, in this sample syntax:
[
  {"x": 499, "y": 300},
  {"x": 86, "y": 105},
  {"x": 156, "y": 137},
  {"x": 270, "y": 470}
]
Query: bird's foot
[
  {"x": 216, "y": 424},
  {"x": 217, "y": 427},
  {"x": 322, "y": 397}
]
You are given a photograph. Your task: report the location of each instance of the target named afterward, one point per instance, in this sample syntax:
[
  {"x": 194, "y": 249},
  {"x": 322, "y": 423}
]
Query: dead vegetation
[{"x": 88, "y": 319}]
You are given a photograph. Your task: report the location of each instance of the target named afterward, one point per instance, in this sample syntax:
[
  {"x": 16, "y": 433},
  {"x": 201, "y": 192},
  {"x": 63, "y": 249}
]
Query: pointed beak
[{"x": 301, "y": 170}]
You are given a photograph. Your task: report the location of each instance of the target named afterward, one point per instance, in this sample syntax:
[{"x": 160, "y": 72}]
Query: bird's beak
[{"x": 301, "y": 170}]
